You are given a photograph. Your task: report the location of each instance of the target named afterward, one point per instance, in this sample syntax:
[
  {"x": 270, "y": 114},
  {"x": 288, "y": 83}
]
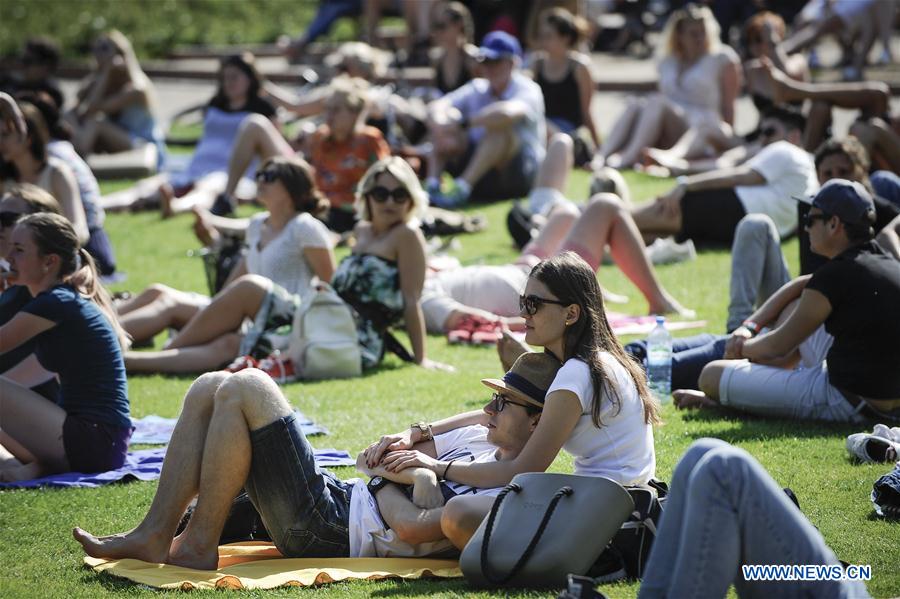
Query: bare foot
[
  {"x": 133, "y": 545},
  {"x": 182, "y": 553},
  {"x": 671, "y": 306},
  {"x": 509, "y": 349},
  {"x": 613, "y": 298},
  {"x": 166, "y": 197},
  {"x": 690, "y": 398}
]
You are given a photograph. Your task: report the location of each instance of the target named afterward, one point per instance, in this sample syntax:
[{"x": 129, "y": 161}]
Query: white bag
[{"x": 324, "y": 343}]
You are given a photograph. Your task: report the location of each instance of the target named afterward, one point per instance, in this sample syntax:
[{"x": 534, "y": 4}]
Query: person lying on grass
[
  {"x": 598, "y": 408},
  {"x": 853, "y": 298},
  {"x": 238, "y": 431}
]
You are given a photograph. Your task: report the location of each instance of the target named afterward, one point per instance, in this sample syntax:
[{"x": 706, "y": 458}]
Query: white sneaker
[
  {"x": 883, "y": 431},
  {"x": 668, "y": 251},
  {"x": 869, "y": 448}
]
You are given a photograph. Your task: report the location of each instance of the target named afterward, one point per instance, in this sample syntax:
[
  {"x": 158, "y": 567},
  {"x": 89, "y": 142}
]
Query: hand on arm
[
  {"x": 811, "y": 312},
  {"x": 413, "y": 436}
]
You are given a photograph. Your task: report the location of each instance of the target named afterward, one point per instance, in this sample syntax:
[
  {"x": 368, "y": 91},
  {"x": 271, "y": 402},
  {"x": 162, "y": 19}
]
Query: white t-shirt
[
  {"x": 790, "y": 172},
  {"x": 371, "y": 537},
  {"x": 622, "y": 448},
  {"x": 282, "y": 259}
]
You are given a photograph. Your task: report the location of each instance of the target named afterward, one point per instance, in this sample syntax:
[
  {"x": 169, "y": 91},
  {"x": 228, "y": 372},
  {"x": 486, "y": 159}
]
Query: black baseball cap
[{"x": 847, "y": 200}]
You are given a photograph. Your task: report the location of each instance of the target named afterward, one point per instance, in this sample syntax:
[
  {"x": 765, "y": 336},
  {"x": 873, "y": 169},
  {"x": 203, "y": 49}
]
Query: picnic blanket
[
  {"x": 254, "y": 565},
  {"x": 156, "y": 430},
  {"x": 624, "y": 324},
  {"x": 146, "y": 464}
]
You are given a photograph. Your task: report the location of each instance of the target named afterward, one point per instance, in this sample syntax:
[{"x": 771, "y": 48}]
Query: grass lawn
[{"x": 42, "y": 560}]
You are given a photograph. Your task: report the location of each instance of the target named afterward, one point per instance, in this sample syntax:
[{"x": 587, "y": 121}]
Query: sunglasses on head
[
  {"x": 399, "y": 195},
  {"x": 267, "y": 175},
  {"x": 810, "y": 219},
  {"x": 8, "y": 219},
  {"x": 500, "y": 401},
  {"x": 530, "y": 304}
]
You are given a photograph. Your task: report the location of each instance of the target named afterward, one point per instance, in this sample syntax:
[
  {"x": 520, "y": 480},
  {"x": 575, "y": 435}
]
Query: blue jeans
[
  {"x": 305, "y": 510},
  {"x": 689, "y": 356},
  {"x": 726, "y": 511}
]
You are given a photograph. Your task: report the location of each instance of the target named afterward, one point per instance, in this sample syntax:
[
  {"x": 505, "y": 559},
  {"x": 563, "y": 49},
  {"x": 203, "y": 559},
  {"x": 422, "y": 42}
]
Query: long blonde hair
[
  {"x": 691, "y": 13},
  {"x": 139, "y": 80}
]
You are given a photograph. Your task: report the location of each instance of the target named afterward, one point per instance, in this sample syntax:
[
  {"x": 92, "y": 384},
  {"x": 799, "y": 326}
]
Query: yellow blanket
[{"x": 260, "y": 566}]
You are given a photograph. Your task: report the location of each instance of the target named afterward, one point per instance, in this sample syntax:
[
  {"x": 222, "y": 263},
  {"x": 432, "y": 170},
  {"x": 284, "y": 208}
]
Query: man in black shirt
[{"x": 854, "y": 297}]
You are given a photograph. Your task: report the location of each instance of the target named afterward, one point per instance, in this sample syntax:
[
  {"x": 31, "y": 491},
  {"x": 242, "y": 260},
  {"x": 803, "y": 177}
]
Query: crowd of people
[{"x": 509, "y": 115}]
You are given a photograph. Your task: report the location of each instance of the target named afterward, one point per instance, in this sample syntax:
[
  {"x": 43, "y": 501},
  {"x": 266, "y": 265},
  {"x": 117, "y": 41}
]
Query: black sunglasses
[
  {"x": 500, "y": 401},
  {"x": 399, "y": 195},
  {"x": 810, "y": 219},
  {"x": 530, "y": 304},
  {"x": 768, "y": 131},
  {"x": 266, "y": 175},
  {"x": 8, "y": 219},
  {"x": 440, "y": 25}
]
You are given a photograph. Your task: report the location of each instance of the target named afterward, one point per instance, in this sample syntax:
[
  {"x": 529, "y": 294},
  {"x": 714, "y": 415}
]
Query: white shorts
[{"x": 800, "y": 394}]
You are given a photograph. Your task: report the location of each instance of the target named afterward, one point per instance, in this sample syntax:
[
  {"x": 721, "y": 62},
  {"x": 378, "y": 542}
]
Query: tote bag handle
[{"x": 523, "y": 559}]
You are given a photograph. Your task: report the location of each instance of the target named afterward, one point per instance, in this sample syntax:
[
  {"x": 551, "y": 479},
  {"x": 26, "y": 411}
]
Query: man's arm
[
  {"x": 811, "y": 312},
  {"x": 500, "y": 114},
  {"x": 412, "y": 524},
  {"x": 722, "y": 179},
  {"x": 425, "y": 484}
]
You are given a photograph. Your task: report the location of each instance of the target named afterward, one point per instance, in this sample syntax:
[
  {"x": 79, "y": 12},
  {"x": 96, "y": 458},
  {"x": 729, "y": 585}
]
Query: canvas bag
[
  {"x": 323, "y": 342},
  {"x": 542, "y": 527}
]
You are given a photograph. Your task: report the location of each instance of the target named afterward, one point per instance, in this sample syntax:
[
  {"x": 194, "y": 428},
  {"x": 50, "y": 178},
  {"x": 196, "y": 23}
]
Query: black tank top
[
  {"x": 446, "y": 87},
  {"x": 562, "y": 99}
]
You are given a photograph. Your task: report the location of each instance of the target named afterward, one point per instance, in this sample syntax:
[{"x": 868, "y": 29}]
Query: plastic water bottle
[{"x": 659, "y": 361}]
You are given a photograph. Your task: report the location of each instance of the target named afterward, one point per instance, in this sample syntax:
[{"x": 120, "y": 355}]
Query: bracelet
[
  {"x": 446, "y": 469},
  {"x": 751, "y": 326}
]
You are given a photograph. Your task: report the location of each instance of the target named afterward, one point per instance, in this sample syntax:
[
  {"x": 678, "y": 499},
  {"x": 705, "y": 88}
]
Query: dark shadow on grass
[
  {"x": 756, "y": 428},
  {"x": 437, "y": 586}
]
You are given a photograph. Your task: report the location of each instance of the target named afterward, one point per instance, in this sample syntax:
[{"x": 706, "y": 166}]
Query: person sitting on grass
[
  {"x": 707, "y": 207},
  {"x": 238, "y": 431},
  {"x": 724, "y": 512},
  {"x": 489, "y": 133},
  {"x": 854, "y": 297},
  {"x": 236, "y": 97},
  {"x": 598, "y": 408},
  {"x": 76, "y": 335},
  {"x": 287, "y": 249}
]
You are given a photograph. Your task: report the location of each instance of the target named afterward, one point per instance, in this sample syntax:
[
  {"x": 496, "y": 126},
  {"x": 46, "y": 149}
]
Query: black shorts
[
  {"x": 710, "y": 217},
  {"x": 510, "y": 181},
  {"x": 93, "y": 446}
]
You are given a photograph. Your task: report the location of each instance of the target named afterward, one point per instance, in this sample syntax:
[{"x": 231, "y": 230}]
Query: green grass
[{"x": 41, "y": 559}]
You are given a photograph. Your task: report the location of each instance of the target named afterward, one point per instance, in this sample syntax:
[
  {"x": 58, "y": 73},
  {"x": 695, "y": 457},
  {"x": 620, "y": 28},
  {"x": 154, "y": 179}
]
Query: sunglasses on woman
[
  {"x": 530, "y": 304},
  {"x": 267, "y": 175},
  {"x": 500, "y": 401},
  {"x": 400, "y": 195},
  {"x": 8, "y": 219}
]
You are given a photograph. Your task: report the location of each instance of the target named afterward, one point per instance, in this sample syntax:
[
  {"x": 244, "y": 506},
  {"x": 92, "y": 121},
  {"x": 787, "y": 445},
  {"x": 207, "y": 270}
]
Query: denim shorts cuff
[{"x": 275, "y": 427}]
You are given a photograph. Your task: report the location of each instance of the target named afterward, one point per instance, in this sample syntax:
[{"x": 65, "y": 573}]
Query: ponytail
[{"x": 86, "y": 281}]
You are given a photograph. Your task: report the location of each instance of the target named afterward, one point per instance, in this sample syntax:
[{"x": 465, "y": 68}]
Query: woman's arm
[
  {"x": 122, "y": 99},
  {"x": 410, "y": 252},
  {"x": 730, "y": 85},
  {"x": 562, "y": 410},
  {"x": 813, "y": 309},
  {"x": 65, "y": 189},
  {"x": 322, "y": 262},
  {"x": 586, "y": 94},
  {"x": 313, "y": 103},
  {"x": 21, "y": 328}
]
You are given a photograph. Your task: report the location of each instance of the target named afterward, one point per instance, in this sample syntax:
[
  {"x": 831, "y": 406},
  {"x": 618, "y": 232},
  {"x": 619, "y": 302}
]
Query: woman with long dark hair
[
  {"x": 598, "y": 409},
  {"x": 76, "y": 335}
]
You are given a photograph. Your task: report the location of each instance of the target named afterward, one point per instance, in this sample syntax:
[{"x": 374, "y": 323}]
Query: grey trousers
[{"x": 758, "y": 268}]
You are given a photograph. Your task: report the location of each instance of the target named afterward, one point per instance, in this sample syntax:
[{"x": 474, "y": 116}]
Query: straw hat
[{"x": 528, "y": 379}]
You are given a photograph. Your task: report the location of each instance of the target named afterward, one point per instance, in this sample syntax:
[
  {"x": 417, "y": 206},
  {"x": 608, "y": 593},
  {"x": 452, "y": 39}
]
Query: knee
[
  {"x": 560, "y": 144},
  {"x": 250, "y": 383},
  {"x": 157, "y": 291},
  {"x": 452, "y": 516},
  {"x": 252, "y": 283},
  {"x": 254, "y": 123},
  {"x": 710, "y": 377},
  {"x": 603, "y": 206},
  {"x": 697, "y": 451},
  {"x": 756, "y": 226}
]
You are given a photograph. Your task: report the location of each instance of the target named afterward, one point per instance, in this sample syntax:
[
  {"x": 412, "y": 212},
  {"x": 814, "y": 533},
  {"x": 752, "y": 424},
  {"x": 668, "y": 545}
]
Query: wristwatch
[
  {"x": 425, "y": 429},
  {"x": 376, "y": 484}
]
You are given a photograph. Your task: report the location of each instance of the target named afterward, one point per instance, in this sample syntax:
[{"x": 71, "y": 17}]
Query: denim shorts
[{"x": 306, "y": 510}]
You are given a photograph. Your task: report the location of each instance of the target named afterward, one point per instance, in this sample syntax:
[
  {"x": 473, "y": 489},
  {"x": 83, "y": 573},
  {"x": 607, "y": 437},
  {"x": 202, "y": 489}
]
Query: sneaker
[
  {"x": 448, "y": 201},
  {"x": 668, "y": 251},
  {"x": 883, "y": 431},
  {"x": 868, "y": 448},
  {"x": 280, "y": 369},
  {"x": 241, "y": 363},
  {"x": 462, "y": 333},
  {"x": 224, "y": 205}
]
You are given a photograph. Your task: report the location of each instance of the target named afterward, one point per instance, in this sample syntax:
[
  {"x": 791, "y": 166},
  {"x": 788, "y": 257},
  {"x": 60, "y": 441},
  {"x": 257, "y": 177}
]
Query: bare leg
[
  {"x": 241, "y": 299},
  {"x": 245, "y": 401},
  {"x": 880, "y": 140},
  {"x": 869, "y": 96},
  {"x": 621, "y": 131},
  {"x": 34, "y": 423},
  {"x": 651, "y": 218},
  {"x": 112, "y": 138},
  {"x": 167, "y": 307},
  {"x": 655, "y": 121},
  {"x": 178, "y": 484},
  {"x": 496, "y": 148},
  {"x": 140, "y": 191},
  {"x": 817, "y": 123},
  {"x": 257, "y": 138},
  {"x": 607, "y": 221},
  {"x": 202, "y": 195},
  {"x": 551, "y": 236},
  {"x": 198, "y": 358},
  {"x": 557, "y": 165},
  {"x": 462, "y": 516}
]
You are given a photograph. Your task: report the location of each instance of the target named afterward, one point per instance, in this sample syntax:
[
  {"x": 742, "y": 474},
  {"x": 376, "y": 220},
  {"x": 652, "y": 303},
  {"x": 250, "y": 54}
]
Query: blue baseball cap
[
  {"x": 499, "y": 44},
  {"x": 847, "y": 200}
]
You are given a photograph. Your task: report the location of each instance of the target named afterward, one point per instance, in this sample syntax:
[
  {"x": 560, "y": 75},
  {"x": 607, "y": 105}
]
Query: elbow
[{"x": 409, "y": 531}]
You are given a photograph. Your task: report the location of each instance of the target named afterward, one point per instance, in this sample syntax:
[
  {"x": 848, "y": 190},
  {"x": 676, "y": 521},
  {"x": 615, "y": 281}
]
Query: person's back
[{"x": 340, "y": 165}]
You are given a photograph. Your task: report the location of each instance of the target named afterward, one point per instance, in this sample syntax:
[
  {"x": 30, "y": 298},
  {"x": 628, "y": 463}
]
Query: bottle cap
[{"x": 660, "y": 320}]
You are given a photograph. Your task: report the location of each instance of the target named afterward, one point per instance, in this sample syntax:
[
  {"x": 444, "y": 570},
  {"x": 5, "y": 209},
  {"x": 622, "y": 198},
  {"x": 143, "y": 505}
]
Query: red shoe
[
  {"x": 241, "y": 363},
  {"x": 487, "y": 333},
  {"x": 280, "y": 369},
  {"x": 463, "y": 333}
]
